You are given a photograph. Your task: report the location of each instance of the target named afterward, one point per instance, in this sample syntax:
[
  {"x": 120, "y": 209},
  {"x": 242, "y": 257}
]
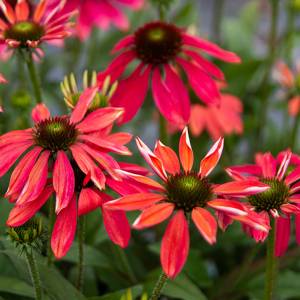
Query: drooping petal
[
  {"x": 153, "y": 215},
  {"x": 89, "y": 200},
  {"x": 134, "y": 201},
  {"x": 175, "y": 245},
  {"x": 206, "y": 224},
  {"x": 154, "y": 162},
  {"x": 64, "y": 230},
  {"x": 37, "y": 179},
  {"x": 241, "y": 188},
  {"x": 211, "y": 159},
  {"x": 229, "y": 206},
  {"x": 168, "y": 157},
  {"x": 21, "y": 214},
  {"x": 40, "y": 113},
  {"x": 63, "y": 181},
  {"x": 185, "y": 151},
  {"x": 282, "y": 235}
]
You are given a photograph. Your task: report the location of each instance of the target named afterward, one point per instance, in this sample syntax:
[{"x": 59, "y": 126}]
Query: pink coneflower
[
  {"x": 280, "y": 201},
  {"x": 184, "y": 193},
  {"x": 25, "y": 29},
  {"x": 101, "y": 13},
  {"x": 290, "y": 81},
  {"x": 162, "y": 50},
  {"x": 226, "y": 116},
  {"x": 51, "y": 147}
]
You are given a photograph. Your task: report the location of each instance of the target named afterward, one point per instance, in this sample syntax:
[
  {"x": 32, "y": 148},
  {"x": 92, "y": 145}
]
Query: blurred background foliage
[{"x": 232, "y": 269}]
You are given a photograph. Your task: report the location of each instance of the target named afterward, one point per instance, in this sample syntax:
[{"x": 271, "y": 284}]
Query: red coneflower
[
  {"x": 184, "y": 193},
  {"x": 49, "y": 146},
  {"x": 280, "y": 201},
  {"x": 162, "y": 49}
]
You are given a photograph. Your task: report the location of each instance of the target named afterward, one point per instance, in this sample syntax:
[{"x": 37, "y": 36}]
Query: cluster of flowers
[{"x": 71, "y": 155}]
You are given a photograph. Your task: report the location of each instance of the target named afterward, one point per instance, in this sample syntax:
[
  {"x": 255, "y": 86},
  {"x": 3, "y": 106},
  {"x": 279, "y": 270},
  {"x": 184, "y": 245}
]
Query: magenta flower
[
  {"x": 184, "y": 192},
  {"x": 162, "y": 50},
  {"x": 280, "y": 201},
  {"x": 60, "y": 146}
]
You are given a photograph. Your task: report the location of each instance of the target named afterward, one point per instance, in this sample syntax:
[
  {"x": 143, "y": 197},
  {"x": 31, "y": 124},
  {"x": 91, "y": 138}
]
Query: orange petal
[{"x": 185, "y": 151}]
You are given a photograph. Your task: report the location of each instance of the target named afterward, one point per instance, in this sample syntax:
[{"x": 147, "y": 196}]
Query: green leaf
[{"x": 16, "y": 287}]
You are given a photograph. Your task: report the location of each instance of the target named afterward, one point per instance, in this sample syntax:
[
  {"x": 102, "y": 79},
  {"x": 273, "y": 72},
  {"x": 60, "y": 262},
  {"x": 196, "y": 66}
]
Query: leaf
[{"x": 16, "y": 287}]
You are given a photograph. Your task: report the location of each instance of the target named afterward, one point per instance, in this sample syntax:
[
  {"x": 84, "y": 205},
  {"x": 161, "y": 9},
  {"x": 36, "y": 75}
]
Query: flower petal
[
  {"x": 175, "y": 245},
  {"x": 206, "y": 224},
  {"x": 229, "y": 206},
  {"x": 211, "y": 159},
  {"x": 267, "y": 163},
  {"x": 40, "y": 113},
  {"x": 64, "y": 230},
  {"x": 284, "y": 165},
  {"x": 153, "y": 215},
  {"x": 185, "y": 151},
  {"x": 283, "y": 228}
]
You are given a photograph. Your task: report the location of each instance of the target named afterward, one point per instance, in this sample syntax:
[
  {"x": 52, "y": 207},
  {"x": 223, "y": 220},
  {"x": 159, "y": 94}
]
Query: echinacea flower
[
  {"x": 217, "y": 120},
  {"x": 101, "y": 13},
  {"x": 50, "y": 147},
  {"x": 289, "y": 80},
  {"x": 280, "y": 201},
  {"x": 184, "y": 193},
  {"x": 162, "y": 51},
  {"x": 25, "y": 29}
]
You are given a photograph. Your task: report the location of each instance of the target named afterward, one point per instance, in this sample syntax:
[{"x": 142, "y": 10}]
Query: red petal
[
  {"x": 175, "y": 245},
  {"x": 40, "y": 113},
  {"x": 206, "y": 224},
  {"x": 229, "y": 206},
  {"x": 283, "y": 228},
  {"x": 89, "y": 200}
]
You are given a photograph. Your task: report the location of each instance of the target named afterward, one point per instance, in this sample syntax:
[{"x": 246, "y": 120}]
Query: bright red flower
[
  {"x": 290, "y": 81},
  {"x": 184, "y": 192},
  {"x": 162, "y": 49},
  {"x": 60, "y": 146},
  {"x": 280, "y": 201},
  {"x": 23, "y": 28},
  {"x": 101, "y": 13}
]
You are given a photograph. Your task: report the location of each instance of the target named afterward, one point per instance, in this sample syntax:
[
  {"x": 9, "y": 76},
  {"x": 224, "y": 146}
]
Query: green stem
[
  {"x": 36, "y": 84},
  {"x": 163, "y": 133},
  {"x": 81, "y": 238},
  {"x": 51, "y": 219},
  {"x": 270, "y": 61},
  {"x": 295, "y": 131},
  {"x": 126, "y": 264},
  {"x": 35, "y": 276},
  {"x": 218, "y": 10},
  {"x": 161, "y": 282},
  {"x": 271, "y": 263}
]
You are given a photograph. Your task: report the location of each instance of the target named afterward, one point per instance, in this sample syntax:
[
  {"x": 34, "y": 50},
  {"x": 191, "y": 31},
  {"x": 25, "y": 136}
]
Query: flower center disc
[
  {"x": 273, "y": 198},
  {"x": 157, "y": 42},
  {"x": 55, "y": 134},
  {"x": 187, "y": 191},
  {"x": 24, "y": 31}
]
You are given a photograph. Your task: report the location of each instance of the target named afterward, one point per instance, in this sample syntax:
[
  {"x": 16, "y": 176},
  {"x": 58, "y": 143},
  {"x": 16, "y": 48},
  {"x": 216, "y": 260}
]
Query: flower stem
[
  {"x": 218, "y": 8},
  {"x": 36, "y": 84},
  {"x": 35, "y": 276},
  {"x": 81, "y": 238},
  {"x": 271, "y": 263},
  {"x": 51, "y": 218},
  {"x": 161, "y": 282}
]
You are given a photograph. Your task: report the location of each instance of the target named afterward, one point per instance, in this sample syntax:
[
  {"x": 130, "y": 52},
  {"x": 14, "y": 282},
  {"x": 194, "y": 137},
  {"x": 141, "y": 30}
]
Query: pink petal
[
  {"x": 21, "y": 214},
  {"x": 206, "y": 224},
  {"x": 175, "y": 245},
  {"x": 284, "y": 165},
  {"x": 64, "y": 230},
  {"x": 83, "y": 104},
  {"x": 228, "y": 206},
  {"x": 123, "y": 43},
  {"x": 63, "y": 181},
  {"x": 131, "y": 92},
  {"x": 241, "y": 188},
  {"x": 293, "y": 176},
  {"x": 210, "y": 48},
  {"x": 209, "y": 162},
  {"x": 168, "y": 158},
  {"x": 37, "y": 179},
  {"x": 289, "y": 208},
  {"x": 40, "y": 113},
  {"x": 185, "y": 151},
  {"x": 89, "y": 200},
  {"x": 154, "y": 215},
  {"x": 153, "y": 161},
  {"x": 283, "y": 228},
  {"x": 245, "y": 170},
  {"x": 134, "y": 201}
]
